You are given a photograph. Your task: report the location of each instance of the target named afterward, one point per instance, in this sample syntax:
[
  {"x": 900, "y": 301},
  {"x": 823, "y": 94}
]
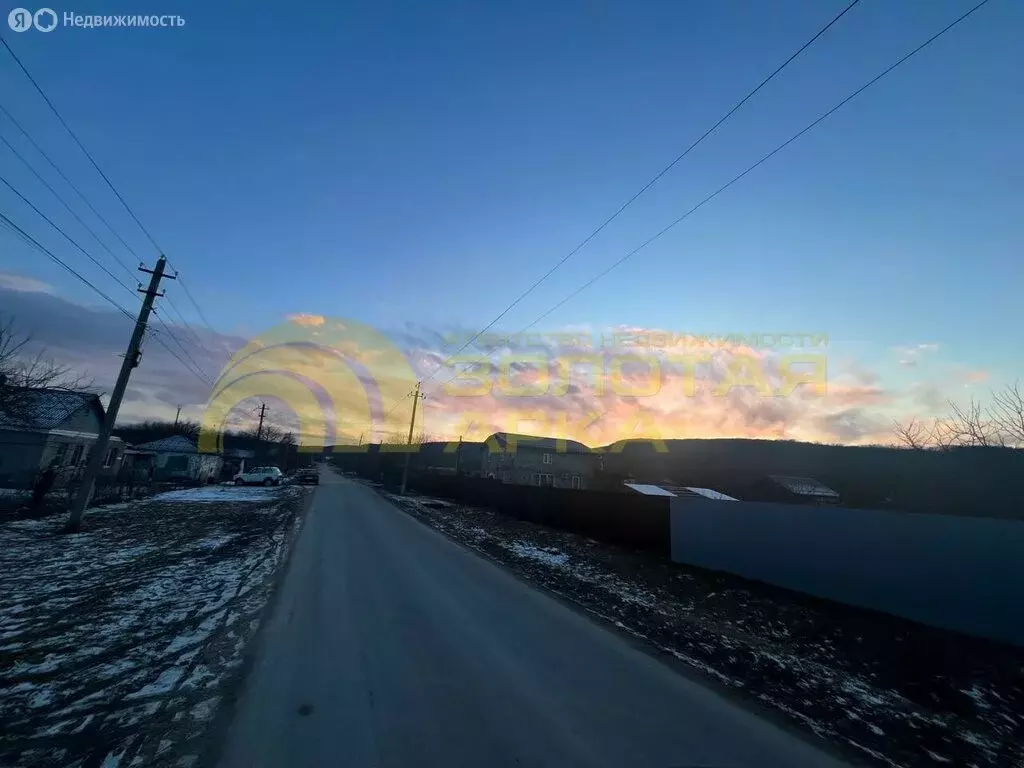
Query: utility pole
[
  {"x": 458, "y": 456},
  {"x": 176, "y": 416},
  {"x": 412, "y": 423},
  {"x": 131, "y": 360},
  {"x": 263, "y": 412}
]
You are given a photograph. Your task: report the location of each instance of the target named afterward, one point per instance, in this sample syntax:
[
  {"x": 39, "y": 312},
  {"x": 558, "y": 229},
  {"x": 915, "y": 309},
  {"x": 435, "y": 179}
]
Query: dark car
[{"x": 307, "y": 476}]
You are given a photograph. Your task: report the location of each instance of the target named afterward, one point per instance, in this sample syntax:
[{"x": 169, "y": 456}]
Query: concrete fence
[{"x": 959, "y": 573}]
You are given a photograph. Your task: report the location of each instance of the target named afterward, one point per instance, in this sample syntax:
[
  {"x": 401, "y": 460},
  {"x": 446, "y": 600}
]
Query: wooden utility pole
[
  {"x": 458, "y": 455},
  {"x": 412, "y": 423},
  {"x": 176, "y": 416},
  {"x": 131, "y": 360},
  {"x": 263, "y": 412}
]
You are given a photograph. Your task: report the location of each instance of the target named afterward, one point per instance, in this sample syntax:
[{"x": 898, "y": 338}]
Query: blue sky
[{"x": 399, "y": 162}]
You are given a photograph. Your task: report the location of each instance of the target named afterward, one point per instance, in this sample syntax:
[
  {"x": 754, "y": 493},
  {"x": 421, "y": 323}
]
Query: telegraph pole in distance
[
  {"x": 176, "y": 416},
  {"x": 131, "y": 360},
  {"x": 263, "y": 412},
  {"x": 412, "y": 423}
]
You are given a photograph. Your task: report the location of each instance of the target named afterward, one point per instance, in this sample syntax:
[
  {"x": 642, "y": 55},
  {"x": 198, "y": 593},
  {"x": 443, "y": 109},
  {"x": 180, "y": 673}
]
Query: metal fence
[
  {"x": 959, "y": 573},
  {"x": 637, "y": 522}
]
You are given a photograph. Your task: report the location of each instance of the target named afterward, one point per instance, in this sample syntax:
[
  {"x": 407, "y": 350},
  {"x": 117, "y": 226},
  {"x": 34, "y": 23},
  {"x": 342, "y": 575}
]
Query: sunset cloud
[
  {"x": 606, "y": 394},
  {"x": 303, "y": 318}
]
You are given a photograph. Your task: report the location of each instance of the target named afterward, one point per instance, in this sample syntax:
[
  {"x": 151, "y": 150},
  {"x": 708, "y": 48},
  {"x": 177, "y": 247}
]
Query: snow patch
[
  {"x": 549, "y": 556},
  {"x": 221, "y": 493}
]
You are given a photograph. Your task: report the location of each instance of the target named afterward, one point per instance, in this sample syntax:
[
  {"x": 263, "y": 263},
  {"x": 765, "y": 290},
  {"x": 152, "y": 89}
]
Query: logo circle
[
  {"x": 339, "y": 378},
  {"x": 40, "y": 25},
  {"x": 20, "y": 20}
]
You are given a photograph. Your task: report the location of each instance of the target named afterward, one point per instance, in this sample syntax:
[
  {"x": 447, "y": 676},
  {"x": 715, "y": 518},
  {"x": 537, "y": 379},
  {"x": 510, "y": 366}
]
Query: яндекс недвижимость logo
[{"x": 22, "y": 19}]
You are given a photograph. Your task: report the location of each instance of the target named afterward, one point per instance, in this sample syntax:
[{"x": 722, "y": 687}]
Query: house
[
  {"x": 528, "y": 460},
  {"x": 794, "y": 490},
  {"x": 686, "y": 492},
  {"x": 176, "y": 458},
  {"x": 50, "y": 427}
]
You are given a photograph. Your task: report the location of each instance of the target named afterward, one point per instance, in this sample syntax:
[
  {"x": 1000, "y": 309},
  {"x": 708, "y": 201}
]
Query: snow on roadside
[
  {"x": 548, "y": 555},
  {"x": 126, "y": 629},
  {"x": 220, "y": 493}
]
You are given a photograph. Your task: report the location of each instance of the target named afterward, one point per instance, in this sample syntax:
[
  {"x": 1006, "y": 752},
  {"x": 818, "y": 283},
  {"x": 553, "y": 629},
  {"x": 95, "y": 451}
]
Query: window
[
  {"x": 543, "y": 479},
  {"x": 576, "y": 482},
  {"x": 76, "y": 455},
  {"x": 111, "y": 456},
  {"x": 547, "y": 458}
]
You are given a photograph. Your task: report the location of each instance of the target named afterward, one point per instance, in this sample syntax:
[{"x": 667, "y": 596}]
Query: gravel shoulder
[
  {"x": 118, "y": 644},
  {"x": 885, "y": 691}
]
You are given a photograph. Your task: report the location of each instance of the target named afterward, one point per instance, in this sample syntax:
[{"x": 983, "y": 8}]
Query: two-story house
[{"x": 528, "y": 460}]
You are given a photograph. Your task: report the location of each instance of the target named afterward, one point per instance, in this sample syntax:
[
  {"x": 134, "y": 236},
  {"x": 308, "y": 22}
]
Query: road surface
[{"x": 390, "y": 647}]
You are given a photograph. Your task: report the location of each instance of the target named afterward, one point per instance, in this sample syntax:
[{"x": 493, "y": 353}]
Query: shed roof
[
  {"x": 173, "y": 444},
  {"x": 704, "y": 493},
  {"x": 648, "y": 490},
  {"x": 804, "y": 486}
]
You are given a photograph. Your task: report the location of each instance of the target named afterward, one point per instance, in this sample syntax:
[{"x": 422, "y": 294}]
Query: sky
[{"x": 416, "y": 167}]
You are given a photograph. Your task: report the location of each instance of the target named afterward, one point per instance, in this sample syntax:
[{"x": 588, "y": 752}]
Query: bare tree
[
  {"x": 22, "y": 372},
  {"x": 971, "y": 425},
  {"x": 915, "y": 433},
  {"x": 1000, "y": 424},
  {"x": 269, "y": 434},
  {"x": 1007, "y": 412}
]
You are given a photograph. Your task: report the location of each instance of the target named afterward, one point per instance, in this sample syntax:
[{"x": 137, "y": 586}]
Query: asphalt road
[{"x": 391, "y": 647}]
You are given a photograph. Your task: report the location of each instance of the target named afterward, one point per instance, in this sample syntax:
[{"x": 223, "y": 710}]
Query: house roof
[
  {"x": 173, "y": 444},
  {"x": 498, "y": 442},
  {"x": 681, "y": 491},
  {"x": 649, "y": 490},
  {"x": 704, "y": 493},
  {"x": 46, "y": 409},
  {"x": 804, "y": 486}
]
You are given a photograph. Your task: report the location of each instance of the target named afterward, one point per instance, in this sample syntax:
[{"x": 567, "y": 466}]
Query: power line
[
  {"x": 195, "y": 369},
  {"x": 70, "y": 183},
  {"x": 79, "y": 143},
  {"x": 739, "y": 176},
  {"x": 188, "y": 295},
  {"x": 65, "y": 204},
  {"x": 99, "y": 170},
  {"x": 31, "y": 241},
  {"x": 66, "y": 236},
  {"x": 653, "y": 181},
  {"x": 188, "y": 325}
]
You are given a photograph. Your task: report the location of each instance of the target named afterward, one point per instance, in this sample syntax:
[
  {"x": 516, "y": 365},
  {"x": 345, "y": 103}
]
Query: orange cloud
[{"x": 303, "y": 318}]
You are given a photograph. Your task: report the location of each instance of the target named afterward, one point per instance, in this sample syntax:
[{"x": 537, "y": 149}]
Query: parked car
[
  {"x": 307, "y": 476},
  {"x": 260, "y": 476}
]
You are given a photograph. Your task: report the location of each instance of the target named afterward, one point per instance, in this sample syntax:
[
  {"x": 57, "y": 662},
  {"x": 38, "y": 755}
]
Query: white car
[{"x": 260, "y": 476}]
